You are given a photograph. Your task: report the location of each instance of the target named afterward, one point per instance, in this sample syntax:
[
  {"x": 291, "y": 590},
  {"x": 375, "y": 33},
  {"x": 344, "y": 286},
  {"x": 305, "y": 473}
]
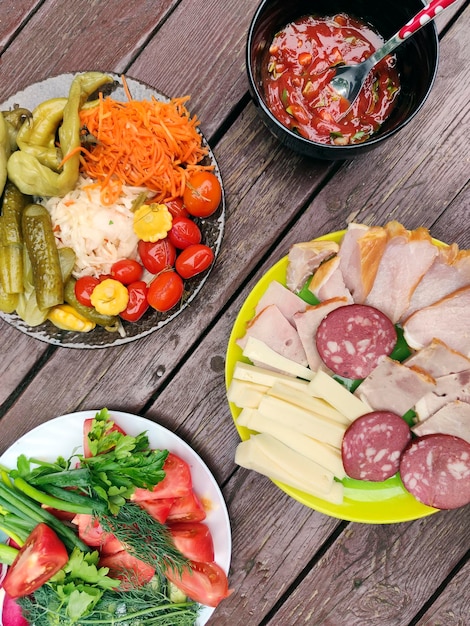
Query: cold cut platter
[
  {"x": 95, "y": 221},
  {"x": 307, "y": 385}
]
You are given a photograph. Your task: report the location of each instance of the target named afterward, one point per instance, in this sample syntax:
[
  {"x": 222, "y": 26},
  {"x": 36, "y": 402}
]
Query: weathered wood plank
[
  {"x": 378, "y": 574},
  {"x": 14, "y": 14},
  {"x": 452, "y": 608}
]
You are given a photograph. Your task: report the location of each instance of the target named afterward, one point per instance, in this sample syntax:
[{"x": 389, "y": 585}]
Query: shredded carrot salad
[{"x": 142, "y": 143}]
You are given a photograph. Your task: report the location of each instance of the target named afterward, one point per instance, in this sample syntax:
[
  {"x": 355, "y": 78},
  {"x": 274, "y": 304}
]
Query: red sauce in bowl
[{"x": 301, "y": 62}]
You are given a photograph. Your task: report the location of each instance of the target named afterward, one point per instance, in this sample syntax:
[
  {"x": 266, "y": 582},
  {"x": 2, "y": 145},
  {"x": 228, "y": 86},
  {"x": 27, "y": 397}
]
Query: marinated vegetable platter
[
  {"x": 187, "y": 232},
  {"x": 73, "y": 428},
  {"x": 267, "y": 392}
]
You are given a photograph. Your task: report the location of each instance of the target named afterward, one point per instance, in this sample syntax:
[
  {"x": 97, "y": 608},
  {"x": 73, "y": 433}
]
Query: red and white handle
[{"x": 427, "y": 14}]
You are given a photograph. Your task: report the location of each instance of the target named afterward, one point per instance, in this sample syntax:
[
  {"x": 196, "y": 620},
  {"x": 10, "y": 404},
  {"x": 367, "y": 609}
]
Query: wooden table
[{"x": 290, "y": 564}]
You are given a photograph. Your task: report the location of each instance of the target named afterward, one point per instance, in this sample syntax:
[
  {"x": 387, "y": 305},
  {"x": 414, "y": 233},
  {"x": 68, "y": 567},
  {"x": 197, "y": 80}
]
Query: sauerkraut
[{"x": 99, "y": 235}]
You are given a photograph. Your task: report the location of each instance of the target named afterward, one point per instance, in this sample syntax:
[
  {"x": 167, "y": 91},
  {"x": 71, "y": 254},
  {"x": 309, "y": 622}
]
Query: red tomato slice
[
  {"x": 194, "y": 540},
  {"x": 89, "y": 530},
  {"x": 177, "y": 481},
  {"x": 110, "y": 545},
  {"x": 42, "y": 556},
  {"x": 203, "y": 582},
  {"x": 87, "y": 424},
  {"x": 187, "y": 509},
  {"x": 131, "y": 571},
  {"x": 158, "y": 509}
]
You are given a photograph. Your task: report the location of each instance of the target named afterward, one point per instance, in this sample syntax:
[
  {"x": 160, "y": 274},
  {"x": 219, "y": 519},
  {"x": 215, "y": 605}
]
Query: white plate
[{"x": 63, "y": 435}]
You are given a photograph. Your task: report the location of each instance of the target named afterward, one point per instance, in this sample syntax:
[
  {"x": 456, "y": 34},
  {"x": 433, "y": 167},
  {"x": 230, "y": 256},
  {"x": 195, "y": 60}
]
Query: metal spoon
[{"x": 349, "y": 79}]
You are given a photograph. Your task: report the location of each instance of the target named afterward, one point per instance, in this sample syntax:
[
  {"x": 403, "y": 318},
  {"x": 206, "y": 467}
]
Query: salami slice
[
  {"x": 351, "y": 339},
  {"x": 373, "y": 444},
  {"x": 436, "y": 470}
]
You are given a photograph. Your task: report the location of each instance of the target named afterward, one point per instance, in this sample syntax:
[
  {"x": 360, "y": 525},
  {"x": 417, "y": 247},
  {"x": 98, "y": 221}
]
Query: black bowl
[{"x": 417, "y": 60}]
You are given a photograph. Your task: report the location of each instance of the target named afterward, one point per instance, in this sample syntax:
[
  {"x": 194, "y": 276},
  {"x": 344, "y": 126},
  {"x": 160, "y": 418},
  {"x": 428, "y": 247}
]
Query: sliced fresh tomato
[
  {"x": 193, "y": 260},
  {"x": 138, "y": 302},
  {"x": 202, "y": 194},
  {"x": 158, "y": 509},
  {"x": 87, "y": 424},
  {"x": 131, "y": 571},
  {"x": 110, "y": 545},
  {"x": 177, "y": 481},
  {"x": 83, "y": 289},
  {"x": 203, "y": 582},
  {"x": 64, "y": 516},
  {"x": 126, "y": 271},
  {"x": 42, "y": 555},
  {"x": 89, "y": 529},
  {"x": 194, "y": 540},
  {"x": 187, "y": 509}
]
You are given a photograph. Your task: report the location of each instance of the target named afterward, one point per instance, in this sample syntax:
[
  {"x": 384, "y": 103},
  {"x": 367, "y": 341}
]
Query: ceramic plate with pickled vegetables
[{"x": 112, "y": 209}]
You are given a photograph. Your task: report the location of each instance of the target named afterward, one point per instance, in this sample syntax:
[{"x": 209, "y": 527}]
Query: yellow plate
[{"x": 367, "y": 502}]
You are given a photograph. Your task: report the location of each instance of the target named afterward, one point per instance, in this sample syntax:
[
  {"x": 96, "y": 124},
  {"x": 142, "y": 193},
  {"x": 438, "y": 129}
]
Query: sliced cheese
[
  {"x": 270, "y": 457},
  {"x": 299, "y": 419},
  {"x": 244, "y": 394},
  {"x": 305, "y": 400},
  {"x": 258, "y": 352},
  {"x": 263, "y": 376},
  {"x": 325, "y": 387},
  {"x": 325, "y": 455}
]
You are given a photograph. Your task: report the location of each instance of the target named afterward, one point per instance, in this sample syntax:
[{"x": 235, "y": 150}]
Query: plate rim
[
  {"x": 43, "y": 332},
  {"x": 223, "y": 553},
  {"x": 378, "y": 513}
]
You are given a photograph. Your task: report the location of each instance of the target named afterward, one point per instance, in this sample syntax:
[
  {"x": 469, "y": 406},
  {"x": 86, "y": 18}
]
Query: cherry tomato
[
  {"x": 187, "y": 509},
  {"x": 203, "y": 582},
  {"x": 177, "y": 208},
  {"x": 126, "y": 271},
  {"x": 202, "y": 194},
  {"x": 84, "y": 287},
  {"x": 194, "y": 540},
  {"x": 157, "y": 256},
  {"x": 131, "y": 571},
  {"x": 42, "y": 555},
  {"x": 138, "y": 302},
  {"x": 194, "y": 260},
  {"x": 165, "y": 291},
  {"x": 184, "y": 232}
]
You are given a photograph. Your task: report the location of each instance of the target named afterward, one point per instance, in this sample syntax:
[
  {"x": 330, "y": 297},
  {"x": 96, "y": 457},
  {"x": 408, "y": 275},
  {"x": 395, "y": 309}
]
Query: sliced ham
[
  {"x": 452, "y": 419},
  {"x": 286, "y": 301},
  {"x": 272, "y": 328},
  {"x": 438, "y": 359},
  {"x": 394, "y": 387},
  {"x": 449, "y": 271},
  {"x": 360, "y": 253},
  {"x": 304, "y": 258},
  {"x": 328, "y": 282},
  {"x": 447, "y": 320},
  {"x": 407, "y": 257},
  {"x": 448, "y": 388},
  {"x": 307, "y": 324}
]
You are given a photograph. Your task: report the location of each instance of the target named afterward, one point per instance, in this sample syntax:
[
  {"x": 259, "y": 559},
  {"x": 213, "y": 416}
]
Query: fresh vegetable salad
[
  {"x": 104, "y": 208},
  {"x": 115, "y": 533}
]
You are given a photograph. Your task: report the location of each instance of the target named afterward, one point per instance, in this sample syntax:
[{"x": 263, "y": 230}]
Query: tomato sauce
[{"x": 301, "y": 62}]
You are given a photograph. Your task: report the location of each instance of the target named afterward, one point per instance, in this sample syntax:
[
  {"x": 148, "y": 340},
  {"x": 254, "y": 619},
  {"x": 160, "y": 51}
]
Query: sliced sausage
[
  {"x": 373, "y": 444},
  {"x": 436, "y": 470},
  {"x": 352, "y": 338}
]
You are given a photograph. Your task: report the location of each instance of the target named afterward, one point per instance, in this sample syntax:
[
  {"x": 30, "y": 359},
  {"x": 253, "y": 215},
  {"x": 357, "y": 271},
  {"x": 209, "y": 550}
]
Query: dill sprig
[
  {"x": 144, "y": 537},
  {"x": 147, "y": 605}
]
